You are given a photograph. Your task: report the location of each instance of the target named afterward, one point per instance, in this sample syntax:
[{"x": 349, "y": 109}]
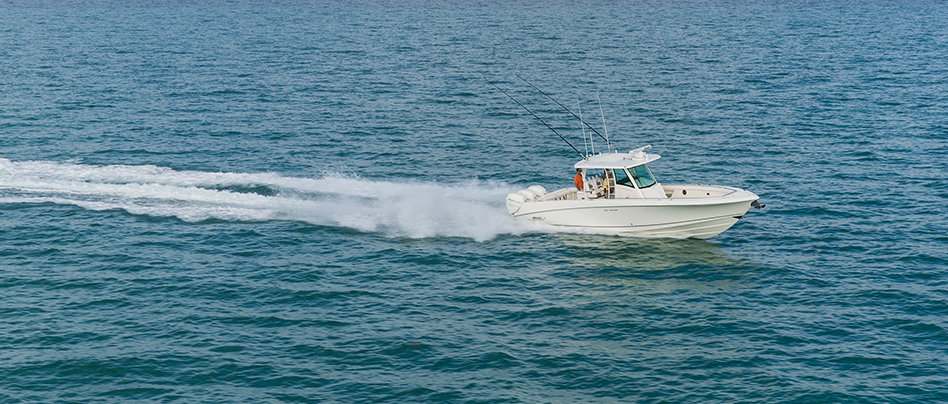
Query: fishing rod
[
  {"x": 571, "y": 112},
  {"x": 538, "y": 118}
]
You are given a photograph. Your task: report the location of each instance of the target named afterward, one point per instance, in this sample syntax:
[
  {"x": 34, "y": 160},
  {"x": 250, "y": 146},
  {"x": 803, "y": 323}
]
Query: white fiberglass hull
[{"x": 678, "y": 217}]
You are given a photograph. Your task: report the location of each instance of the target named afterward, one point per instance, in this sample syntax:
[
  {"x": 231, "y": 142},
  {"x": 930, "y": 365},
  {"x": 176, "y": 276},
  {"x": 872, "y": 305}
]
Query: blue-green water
[{"x": 303, "y": 202}]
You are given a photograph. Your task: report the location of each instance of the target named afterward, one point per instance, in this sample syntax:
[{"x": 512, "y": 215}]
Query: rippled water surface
[{"x": 303, "y": 202}]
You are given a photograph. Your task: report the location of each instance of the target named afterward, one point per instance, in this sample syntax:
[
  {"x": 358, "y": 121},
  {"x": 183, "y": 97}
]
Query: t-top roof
[{"x": 633, "y": 158}]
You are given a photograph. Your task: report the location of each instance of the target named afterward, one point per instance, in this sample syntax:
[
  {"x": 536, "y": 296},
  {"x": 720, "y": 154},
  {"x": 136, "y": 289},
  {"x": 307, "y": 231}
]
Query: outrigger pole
[
  {"x": 571, "y": 112},
  {"x": 538, "y": 118}
]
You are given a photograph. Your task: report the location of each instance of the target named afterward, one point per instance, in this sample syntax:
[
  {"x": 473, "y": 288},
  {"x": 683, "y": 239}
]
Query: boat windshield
[
  {"x": 643, "y": 178},
  {"x": 623, "y": 179}
]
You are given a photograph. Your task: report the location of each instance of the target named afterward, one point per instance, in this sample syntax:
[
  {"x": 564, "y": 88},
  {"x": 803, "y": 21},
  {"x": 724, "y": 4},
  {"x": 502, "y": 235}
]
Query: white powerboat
[
  {"x": 619, "y": 194},
  {"x": 616, "y": 192}
]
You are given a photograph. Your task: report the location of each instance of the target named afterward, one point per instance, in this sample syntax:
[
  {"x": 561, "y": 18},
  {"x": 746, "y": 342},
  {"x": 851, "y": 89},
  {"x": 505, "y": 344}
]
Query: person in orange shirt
[{"x": 578, "y": 179}]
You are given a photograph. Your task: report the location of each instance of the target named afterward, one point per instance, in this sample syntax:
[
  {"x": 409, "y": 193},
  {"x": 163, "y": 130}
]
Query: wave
[{"x": 412, "y": 209}]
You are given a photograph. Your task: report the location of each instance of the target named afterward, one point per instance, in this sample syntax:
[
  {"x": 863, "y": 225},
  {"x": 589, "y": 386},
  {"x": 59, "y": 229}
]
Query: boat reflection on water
[{"x": 604, "y": 253}]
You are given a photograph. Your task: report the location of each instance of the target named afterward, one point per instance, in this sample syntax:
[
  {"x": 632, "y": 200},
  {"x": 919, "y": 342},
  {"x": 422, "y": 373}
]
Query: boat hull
[{"x": 682, "y": 217}]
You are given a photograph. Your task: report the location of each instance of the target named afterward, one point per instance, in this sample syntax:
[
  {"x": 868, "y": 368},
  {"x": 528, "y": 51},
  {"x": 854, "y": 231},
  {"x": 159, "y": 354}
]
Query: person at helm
[{"x": 578, "y": 179}]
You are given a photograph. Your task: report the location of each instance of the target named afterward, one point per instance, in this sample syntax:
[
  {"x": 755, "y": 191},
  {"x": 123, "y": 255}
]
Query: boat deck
[{"x": 685, "y": 191}]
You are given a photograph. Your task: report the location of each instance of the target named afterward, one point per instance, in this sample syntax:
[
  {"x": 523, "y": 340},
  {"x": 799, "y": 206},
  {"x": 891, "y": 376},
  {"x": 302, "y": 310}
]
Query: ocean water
[{"x": 304, "y": 202}]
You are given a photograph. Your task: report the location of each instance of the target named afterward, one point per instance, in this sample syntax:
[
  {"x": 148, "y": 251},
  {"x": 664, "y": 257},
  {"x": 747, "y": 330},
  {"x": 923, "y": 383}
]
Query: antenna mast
[
  {"x": 586, "y": 146},
  {"x": 604, "y": 120}
]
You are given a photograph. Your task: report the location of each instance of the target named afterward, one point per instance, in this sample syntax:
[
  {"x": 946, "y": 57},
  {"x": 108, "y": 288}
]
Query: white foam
[{"x": 417, "y": 210}]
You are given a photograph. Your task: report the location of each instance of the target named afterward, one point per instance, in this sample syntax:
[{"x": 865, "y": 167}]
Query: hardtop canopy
[{"x": 633, "y": 158}]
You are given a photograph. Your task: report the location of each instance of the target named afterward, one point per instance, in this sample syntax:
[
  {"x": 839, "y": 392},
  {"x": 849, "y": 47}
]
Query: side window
[
  {"x": 622, "y": 179},
  {"x": 641, "y": 175}
]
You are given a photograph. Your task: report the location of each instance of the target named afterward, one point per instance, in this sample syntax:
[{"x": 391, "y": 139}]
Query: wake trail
[{"x": 416, "y": 210}]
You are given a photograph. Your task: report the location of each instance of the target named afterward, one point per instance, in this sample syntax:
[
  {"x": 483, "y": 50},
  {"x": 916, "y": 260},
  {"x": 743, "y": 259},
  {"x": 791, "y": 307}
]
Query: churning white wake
[{"x": 416, "y": 210}]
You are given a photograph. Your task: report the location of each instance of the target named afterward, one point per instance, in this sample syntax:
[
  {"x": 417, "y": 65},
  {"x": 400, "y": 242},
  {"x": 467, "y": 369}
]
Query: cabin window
[
  {"x": 622, "y": 178},
  {"x": 643, "y": 178}
]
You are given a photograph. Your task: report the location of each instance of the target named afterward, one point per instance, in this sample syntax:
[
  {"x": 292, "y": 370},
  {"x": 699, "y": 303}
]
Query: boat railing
[
  {"x": 694, "y": 191},
  {"x": 565, "y": 194}
]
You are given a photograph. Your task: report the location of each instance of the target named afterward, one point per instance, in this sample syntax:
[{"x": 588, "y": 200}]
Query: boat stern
[{"x": 517, "y": 199}]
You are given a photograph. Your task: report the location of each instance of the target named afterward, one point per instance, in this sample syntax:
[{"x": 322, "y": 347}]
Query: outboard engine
[
  {"x": 522, "y": 196},
  {"x": 528, "y": 195},
  {"x": 538, "y": 190},
  {"x": 514, "y": 201}
]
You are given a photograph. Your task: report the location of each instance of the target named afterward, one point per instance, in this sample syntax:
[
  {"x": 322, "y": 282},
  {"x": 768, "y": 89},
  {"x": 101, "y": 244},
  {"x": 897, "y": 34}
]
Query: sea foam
[{"x": 398, "y": 209}]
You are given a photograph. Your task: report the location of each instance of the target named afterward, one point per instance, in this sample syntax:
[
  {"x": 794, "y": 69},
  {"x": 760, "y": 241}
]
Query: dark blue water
[{"x": 303, "y": 202}]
